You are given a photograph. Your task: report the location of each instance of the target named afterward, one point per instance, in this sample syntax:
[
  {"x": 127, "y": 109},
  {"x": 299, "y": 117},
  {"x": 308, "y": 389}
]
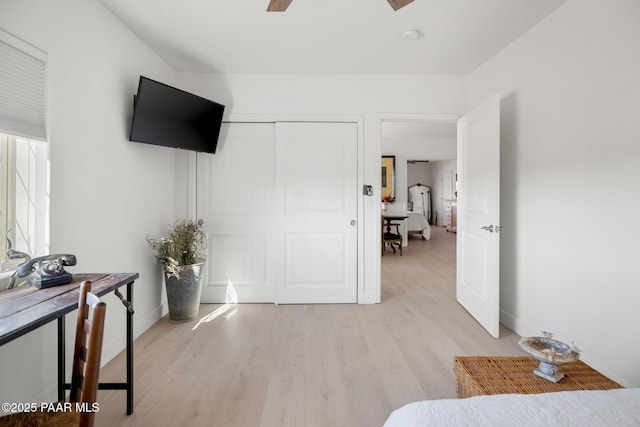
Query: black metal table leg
[
  {"x": 128, "y": 385},
  {"x": 61, "y": 359},
  {"x": 130, "y": 350}
]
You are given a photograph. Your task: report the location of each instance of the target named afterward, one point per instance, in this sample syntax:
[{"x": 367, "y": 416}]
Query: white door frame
[{"x": 272, "y": 118}]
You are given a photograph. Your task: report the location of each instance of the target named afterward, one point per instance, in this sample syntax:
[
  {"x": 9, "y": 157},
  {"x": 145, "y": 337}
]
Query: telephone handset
[{"x": 47, "y": 271}]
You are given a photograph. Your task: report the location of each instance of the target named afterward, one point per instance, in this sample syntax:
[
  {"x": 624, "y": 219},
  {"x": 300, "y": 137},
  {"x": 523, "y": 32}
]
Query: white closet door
[
  {"x": 278, "y": 201},
  {"x": 317, "y": 197},
  {"x": 235, "y": 189}
]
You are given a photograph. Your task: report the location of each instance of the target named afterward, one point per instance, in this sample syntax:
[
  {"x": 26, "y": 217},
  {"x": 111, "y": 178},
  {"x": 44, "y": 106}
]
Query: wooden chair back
[{"x": 87, "y": 351}]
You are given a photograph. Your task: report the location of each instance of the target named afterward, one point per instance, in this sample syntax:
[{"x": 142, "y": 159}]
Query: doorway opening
[
  {"x": 477, "y": 149},
  {"x": 425, "y": 150}
]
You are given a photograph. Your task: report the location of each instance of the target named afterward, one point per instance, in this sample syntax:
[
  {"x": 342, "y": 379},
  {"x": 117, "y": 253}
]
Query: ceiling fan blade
[
  {"x": 279, "y": 5},
  {"x": 397, "y": 4}
]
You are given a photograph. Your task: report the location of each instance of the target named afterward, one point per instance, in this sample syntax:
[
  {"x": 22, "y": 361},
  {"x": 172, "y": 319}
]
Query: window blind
[{"x": 22, "y": 88}]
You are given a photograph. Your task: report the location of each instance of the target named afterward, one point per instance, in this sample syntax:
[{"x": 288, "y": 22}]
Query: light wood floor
[{"x": 309, "y": 365}]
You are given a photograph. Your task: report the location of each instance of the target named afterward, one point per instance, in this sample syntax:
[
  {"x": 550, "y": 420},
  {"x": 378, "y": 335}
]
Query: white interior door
[
  {"x": 235, "y": 192},
  {"x": 478, "y": 238},
  {"x": 317, "y": 197}
]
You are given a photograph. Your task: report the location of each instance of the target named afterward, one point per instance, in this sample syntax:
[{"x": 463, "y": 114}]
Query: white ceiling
[{"x": 329, "y": 36}]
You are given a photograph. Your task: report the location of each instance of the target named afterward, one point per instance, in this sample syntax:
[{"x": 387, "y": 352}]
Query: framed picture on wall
[{"x": 388, "y": 192}]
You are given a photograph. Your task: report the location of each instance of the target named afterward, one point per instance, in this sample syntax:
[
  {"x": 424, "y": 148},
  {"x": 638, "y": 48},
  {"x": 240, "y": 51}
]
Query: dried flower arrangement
[{"x": 184, "y": 244}]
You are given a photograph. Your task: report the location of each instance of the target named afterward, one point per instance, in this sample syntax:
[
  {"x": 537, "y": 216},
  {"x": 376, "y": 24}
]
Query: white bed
[
  {"x": 618, "y": 407},
  {"x": 417, "y": 224}
]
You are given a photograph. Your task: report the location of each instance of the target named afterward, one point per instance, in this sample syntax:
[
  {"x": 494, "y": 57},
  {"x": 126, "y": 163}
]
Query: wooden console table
[
  {"x": 26, "y": 308},
  {"x": 482, "y": 375}
]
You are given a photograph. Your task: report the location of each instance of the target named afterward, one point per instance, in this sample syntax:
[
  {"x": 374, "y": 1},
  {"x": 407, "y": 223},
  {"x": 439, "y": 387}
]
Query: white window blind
[{"x": 22, "y": 88}]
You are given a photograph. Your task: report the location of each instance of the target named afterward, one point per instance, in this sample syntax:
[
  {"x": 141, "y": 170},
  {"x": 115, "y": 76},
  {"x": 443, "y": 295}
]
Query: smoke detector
[{"x": 411, "y": 34}]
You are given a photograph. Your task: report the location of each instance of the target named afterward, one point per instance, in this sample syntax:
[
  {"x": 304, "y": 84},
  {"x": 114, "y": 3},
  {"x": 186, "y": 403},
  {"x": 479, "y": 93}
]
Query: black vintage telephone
[{"x": 47, "y": 271}]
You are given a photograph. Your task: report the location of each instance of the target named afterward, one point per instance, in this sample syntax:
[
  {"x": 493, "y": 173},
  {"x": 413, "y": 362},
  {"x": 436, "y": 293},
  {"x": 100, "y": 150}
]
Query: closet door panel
[
  {"x": 316, "y": 192},
  {"x": 235, "y": 189}
]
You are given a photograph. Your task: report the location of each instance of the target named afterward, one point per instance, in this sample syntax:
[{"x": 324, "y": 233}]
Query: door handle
[
  {"x": 491, "y": 228},
  {"x": 353, "y": 222}
]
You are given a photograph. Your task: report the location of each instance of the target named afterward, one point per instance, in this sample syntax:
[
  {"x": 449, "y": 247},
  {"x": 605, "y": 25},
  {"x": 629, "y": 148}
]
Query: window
[
  {"x": 24, "y": 195},
  {"x": 24, "y": 171}
]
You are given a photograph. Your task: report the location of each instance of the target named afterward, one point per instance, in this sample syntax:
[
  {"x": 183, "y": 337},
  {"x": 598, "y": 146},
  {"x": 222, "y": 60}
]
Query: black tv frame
[{"x": 167, "y": 116}]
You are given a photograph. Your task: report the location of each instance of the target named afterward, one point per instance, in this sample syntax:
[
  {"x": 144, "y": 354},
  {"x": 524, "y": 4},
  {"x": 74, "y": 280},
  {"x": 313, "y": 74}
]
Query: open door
[{"x": 478, "y": 238}]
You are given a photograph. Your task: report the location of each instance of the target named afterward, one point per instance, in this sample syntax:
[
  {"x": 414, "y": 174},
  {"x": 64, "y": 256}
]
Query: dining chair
[
  {"x": 84, "y": 376},
  {"x": 391, "y": 237}
]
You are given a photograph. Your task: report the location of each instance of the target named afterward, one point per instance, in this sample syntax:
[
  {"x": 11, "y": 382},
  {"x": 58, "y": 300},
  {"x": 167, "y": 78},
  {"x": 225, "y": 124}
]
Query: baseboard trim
[{"x": 518, "y": 326}]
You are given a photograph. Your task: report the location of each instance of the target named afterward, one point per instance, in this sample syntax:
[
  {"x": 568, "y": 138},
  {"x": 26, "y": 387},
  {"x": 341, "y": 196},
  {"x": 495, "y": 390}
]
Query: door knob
[
  {"x": 353, "y": 222},
  {"x": 489, "y": 228}
]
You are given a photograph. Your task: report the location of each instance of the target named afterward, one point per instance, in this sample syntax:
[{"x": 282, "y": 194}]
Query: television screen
[{"x": 164, "y": 115}]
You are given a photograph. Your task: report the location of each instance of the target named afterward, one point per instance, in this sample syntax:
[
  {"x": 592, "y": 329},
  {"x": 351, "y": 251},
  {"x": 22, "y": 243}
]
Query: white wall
[
  {"x": 570, "y": 173},
  {"x": 418, "y": 173},
  {"x": 107, "y": 194},
  {"x": 371, "y": 97}
]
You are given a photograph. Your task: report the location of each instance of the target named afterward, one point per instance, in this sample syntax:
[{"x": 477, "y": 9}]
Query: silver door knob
[
  {"x": 353, "y": 222},
  {"x": 489, "y": 228}
]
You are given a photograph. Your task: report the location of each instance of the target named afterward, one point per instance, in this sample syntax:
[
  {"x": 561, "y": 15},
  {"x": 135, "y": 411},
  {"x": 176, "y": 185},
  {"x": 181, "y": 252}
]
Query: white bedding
[
  {"x": 619, "y": 407},
  {"x": 417, "y": 223}
]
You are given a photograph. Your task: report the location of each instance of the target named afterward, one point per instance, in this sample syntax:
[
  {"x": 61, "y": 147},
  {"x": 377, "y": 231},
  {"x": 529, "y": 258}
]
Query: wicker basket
[{"x": 482, "y": 375}]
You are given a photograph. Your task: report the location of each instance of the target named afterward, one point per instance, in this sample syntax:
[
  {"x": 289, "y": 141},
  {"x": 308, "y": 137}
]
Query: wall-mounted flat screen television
[{"x": 167, "y": 116}]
